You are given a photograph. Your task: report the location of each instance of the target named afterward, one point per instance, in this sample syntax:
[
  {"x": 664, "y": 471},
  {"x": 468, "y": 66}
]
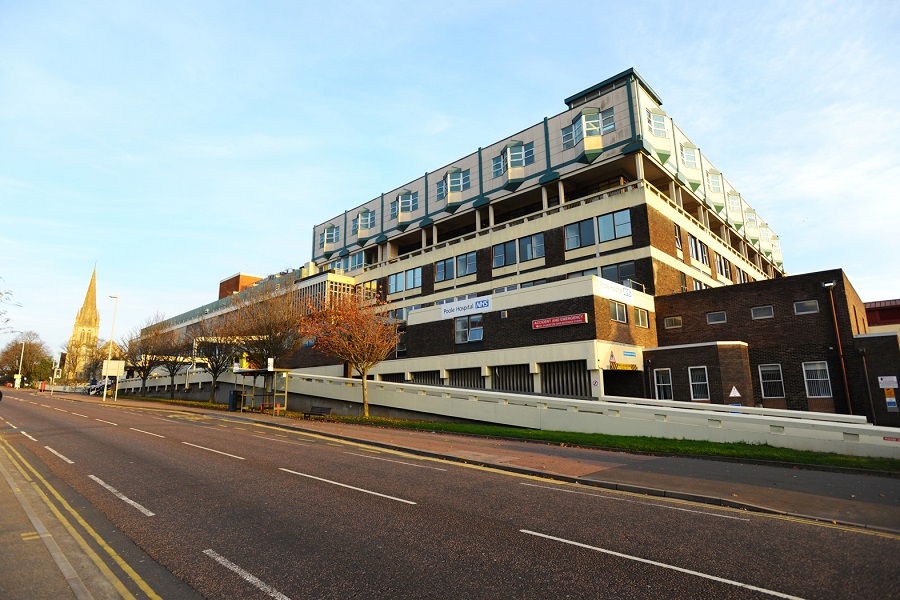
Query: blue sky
[{"x": 177, "y": 143}]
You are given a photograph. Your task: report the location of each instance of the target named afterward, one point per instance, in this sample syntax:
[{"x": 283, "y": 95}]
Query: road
[{"x": 240, "y": 510}]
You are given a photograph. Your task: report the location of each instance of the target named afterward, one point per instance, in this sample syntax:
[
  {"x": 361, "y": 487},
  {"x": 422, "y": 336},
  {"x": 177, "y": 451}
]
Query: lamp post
[
  {"x": 112, "y": 333},
  {"x": 21, "y": 356}
]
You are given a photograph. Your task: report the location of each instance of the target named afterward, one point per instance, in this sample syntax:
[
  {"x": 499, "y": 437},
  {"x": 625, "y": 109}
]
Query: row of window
[
  {"x": 530, "y": 247},
  {"x": 465, "y": 265},
  {"x": 815, "y": 377},
  {"x": 610, "y": 226},
  {"x": 802, "y": 307},
  {"x": 618, "y": 311},
  {"x": 405, "y": 280}
]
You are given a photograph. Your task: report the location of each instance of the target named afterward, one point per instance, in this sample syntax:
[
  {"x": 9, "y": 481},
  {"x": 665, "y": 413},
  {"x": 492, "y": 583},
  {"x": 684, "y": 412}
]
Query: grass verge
[{"x": 753, "y": 452}]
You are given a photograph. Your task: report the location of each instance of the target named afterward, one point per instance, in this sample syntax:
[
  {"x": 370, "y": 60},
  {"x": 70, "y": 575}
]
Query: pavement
[{"x": 853, "y": 499}]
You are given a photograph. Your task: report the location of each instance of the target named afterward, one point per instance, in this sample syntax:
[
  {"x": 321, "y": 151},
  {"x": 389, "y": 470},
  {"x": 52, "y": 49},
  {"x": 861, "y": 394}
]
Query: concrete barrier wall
[{"x": 818, "y": 432}]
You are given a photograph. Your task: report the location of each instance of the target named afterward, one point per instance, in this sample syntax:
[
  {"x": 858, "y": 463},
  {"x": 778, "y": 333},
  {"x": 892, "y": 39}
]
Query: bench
[{"x": 317, "y": 411}]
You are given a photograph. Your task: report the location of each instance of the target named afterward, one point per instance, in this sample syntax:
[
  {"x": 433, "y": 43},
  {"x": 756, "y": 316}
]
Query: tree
[
  {"x": 266, "y": 326},
  {"x": 141, "y": 348},
  {"x": 33, "y": 355},
  {"x": 354, "y": 329},
  {"x": 214, "y": 346},
  {"x": 5, "y": 299},
  {"x": 174, "y": 352},
  {"x": 75, "y": 355}
]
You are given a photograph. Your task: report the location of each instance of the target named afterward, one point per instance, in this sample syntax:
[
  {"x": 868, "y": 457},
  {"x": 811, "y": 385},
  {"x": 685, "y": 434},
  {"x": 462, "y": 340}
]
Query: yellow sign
[{"x": 622, "y": 367}]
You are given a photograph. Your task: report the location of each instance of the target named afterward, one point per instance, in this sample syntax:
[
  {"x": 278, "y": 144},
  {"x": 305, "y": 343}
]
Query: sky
[{"x": 174, "y": 144}]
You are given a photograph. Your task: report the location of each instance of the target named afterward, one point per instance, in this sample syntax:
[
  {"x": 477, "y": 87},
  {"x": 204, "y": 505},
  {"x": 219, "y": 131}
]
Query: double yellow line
[{"x": 40, "y": 485}]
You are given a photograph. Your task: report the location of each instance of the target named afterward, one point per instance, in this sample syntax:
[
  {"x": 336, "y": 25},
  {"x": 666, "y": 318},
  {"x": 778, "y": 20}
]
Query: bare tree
[
  {"x": 266, "y": 326},
  {"x": 214, "y": 346},
  {"x": 356, "y": 330},
  {"x": 141, "y": 348},
  {"x": 5, "y": 299},
  {"x": 174, "y": 352}
]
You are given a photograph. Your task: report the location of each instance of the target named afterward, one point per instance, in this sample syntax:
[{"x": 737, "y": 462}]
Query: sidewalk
[{"x": 868, "y": 501}]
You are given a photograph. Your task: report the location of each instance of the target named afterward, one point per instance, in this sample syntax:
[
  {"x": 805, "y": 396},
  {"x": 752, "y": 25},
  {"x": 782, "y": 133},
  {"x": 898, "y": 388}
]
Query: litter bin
[{"x": 235, "y": 400}]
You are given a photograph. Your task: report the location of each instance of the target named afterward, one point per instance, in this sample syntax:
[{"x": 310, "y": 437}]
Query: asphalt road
[{"x": 238, "y": 510}]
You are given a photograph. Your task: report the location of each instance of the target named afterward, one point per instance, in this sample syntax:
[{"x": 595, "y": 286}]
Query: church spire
[{"x": 88, "y": 316}]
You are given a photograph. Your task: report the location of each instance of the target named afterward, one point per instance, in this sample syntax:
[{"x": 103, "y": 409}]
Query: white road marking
[
  {"x": 28, "y": 436},
  {"x": 11, "y": 425},
  {"x": 211, "y": 450},
  {"x": 663, "y": 565},
  {"x": 71, "y": 462},
  {"x": 46, "y": 406},
  {"x": 108, "y": 422},
  {"x": 80, "y": 415},
  {"x": 255, "y": 581},
  {"x": 605, "y": 497},
  {"x": 61, "y": 410},
  {"x": 347, "y": 486},
  {"x": 399, "y": 462},
  {"x": 300, "y": 442},
  {"x": 147, "y": 432},
  {"x": 121, "y": 497}
]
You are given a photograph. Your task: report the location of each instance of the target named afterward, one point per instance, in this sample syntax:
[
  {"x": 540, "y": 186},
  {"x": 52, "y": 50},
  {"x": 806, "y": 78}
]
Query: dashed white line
[
  {"x": 211, "y": 450},
  {"x": 11, "y": 425},
  {"x": 399, "y": 462},
  {"x": 299, "y": 442},
  {"x": 121, "y": 496},
  {"x": 147, "y": 432},
  {"x": 80, "y": 415},
  {"x": 71, "y": 462},
  {"x": 347, "y": 486},
  {"x": 28, "y": 436},
  {"x": 251, "y": 579},
  {"x": 60, "y": 409},
  {"x": 663, "y": 565},
  {"x": 46, "y": 406},
  {"x": 604, "y": 497},
  {"x": 108, "y": 422}
]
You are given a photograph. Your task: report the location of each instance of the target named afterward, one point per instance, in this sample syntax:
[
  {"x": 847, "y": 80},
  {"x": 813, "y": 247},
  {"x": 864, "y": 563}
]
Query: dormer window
[
  {"x": 689, "y": 156},
  {"x": 588, "y": 129},
  {"x": 406, "y": 202},
  {"x": 455, "y": 180},
  {"x": 331, "y": 235},
  {"x": 714, "y": 179},
  {"x": 515, "y": 154},
  {"x": 364, "y": 220},
  {"x": 656, "y": 123}
]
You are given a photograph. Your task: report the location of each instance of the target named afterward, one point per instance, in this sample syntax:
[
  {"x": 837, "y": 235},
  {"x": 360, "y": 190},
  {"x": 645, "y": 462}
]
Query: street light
[
  {"x": 21, "y": 356},
  {"x": 112, "y": 332}
]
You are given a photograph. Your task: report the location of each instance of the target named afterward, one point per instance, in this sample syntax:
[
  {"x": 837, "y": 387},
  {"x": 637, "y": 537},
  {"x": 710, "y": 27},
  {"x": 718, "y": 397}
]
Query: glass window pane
[
  {"x": 607, "y": 228},
  {"x": 586, "y": 232},
  {"x": 623, "y": 223}
]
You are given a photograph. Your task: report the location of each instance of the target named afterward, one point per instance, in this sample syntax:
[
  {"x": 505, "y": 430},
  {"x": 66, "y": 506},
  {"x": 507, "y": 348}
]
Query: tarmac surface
[{"x": 872, "y": 501}]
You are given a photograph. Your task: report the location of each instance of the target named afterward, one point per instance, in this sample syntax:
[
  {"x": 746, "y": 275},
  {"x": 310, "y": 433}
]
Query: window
[
  {"x": 617, "y": 312},
  {"x": 409, "y": 202},
  {"x": 615, "y": 225},
  {"x": 678, "y": 236},
  {"x": 592, "y": 125},
  {"x": 762, "y": 312},
  {"x": 656, "y": 123},
  {"x": 414, "y": 278},
  {"x": 579, "y": 235},
  {"x": 469, "y": 329},
  {"x": 508, "y": 288},
  {"x": 465, "y": 264},
  {"x": 395, "y": 209},
  {"x": 689, "y": 157},
  {"x": 683, "y": 280},
  {"x": 441, "y": 189},
  {"x": 641, "y": 318},
  {"x": 572, "y": 134},
  {"x": 692, "y": 244},
  {"x": 672, "y": 322},
  {"x": 529, "y": 284},
  {"x": 806, "y": 307},
  {"x": 531, "y": 247},
  {"x": 621, "y": 273},
  {"x": 815, "y": 374},
  {"x": 704, "y": 253},
  {"x": 459, "y": 181},
  {"x": 742, "y": 277},
  {"x": 608, "y": 120},
  {"x": 771, "y": 382},
  {"x": 699, "y": 383},
  {"x": 513, "y": 156},
  {"x": 356, "y": 261},
  {"x": 723, "y": 267},
  {"x": 331, "y": 235},
  {"x": 734, "y": 203},
  {"x": 395, "y": 282},
  {"x": 712, "y": 318},
  {"x": 715, "y": 181},
  {"x": 364, "y": 220},
  {"x": 443, "y": 270},
  {"x": 663, "y": 379},
  {"x": 505, "y": 254}
]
